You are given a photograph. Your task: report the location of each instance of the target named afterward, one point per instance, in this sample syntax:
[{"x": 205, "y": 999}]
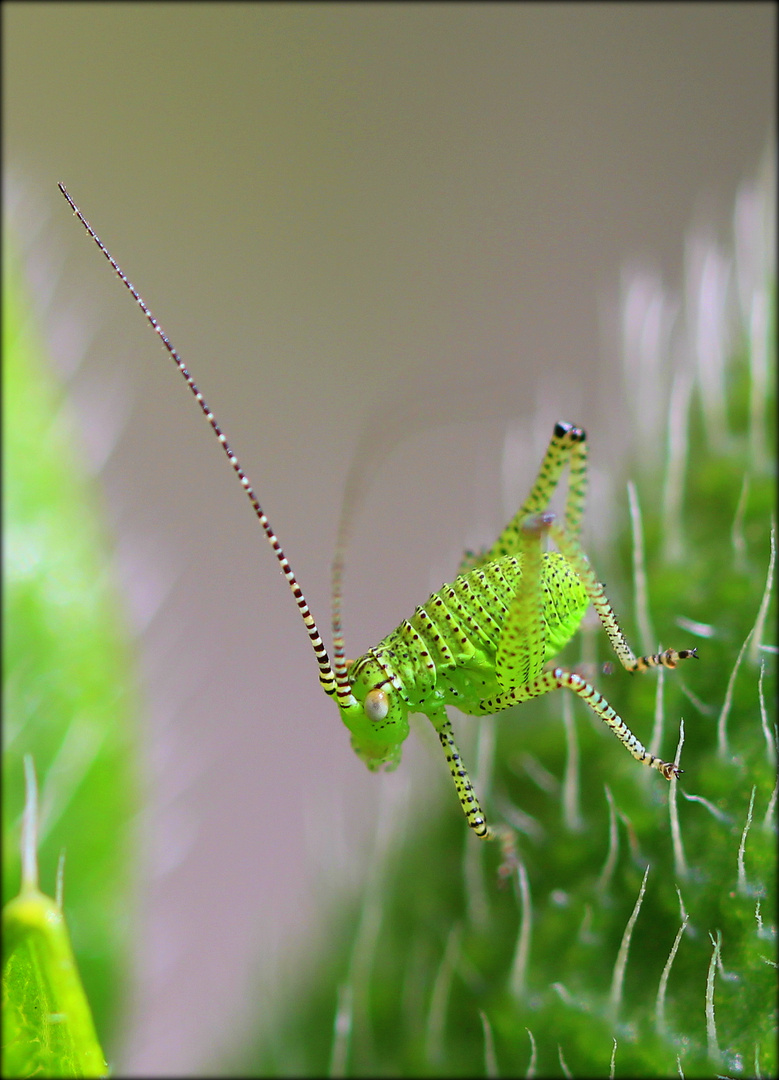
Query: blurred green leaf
[
  {"x": 47, "y": 1024},
  {"x": 66, "y": 661}
]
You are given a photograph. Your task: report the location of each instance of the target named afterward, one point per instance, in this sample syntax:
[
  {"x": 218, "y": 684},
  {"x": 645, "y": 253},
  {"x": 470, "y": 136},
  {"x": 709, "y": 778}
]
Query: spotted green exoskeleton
[{"x": 483, "y": 642}]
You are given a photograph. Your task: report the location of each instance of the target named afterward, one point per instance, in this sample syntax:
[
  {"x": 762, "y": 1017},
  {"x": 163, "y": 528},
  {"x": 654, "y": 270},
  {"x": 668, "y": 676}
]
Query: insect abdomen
[{"x": 450, "y": 643}]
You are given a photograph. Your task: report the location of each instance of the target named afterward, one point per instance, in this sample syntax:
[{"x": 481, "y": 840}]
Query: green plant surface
[
  {"x": 633, "y": 930},
  {"x": 66, "y": 700},
  {"x": 47, "y": 1023}
]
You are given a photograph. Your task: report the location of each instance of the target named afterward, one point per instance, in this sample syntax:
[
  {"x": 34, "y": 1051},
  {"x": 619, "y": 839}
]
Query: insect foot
[
  {"x": 669, "y": 659},
  {"x": 669, "y": 770}
]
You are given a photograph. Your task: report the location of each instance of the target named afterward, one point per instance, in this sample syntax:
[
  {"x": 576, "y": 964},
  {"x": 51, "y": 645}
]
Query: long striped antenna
[{"x": 326, "y": 677}]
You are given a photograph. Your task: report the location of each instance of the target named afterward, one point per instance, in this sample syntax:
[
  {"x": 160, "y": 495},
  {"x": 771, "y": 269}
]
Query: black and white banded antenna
[{"x": 332, "y": 682}]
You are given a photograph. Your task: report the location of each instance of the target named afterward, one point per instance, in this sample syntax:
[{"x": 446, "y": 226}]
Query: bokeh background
[{"x": 396, "y": 232}]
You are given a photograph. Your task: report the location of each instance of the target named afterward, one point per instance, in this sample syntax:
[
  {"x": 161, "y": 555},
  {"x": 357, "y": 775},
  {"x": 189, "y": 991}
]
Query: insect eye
[{"x": 376, "y": 705}]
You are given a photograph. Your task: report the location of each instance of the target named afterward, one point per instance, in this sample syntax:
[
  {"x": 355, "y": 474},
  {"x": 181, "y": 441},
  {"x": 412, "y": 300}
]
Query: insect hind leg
[
  {"x": 568, "y": 446},
  {"x": 522, "y": 644}
]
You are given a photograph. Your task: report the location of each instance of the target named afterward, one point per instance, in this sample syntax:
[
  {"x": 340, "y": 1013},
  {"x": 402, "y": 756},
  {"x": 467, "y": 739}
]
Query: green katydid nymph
[{"x": 483, "y": 642}]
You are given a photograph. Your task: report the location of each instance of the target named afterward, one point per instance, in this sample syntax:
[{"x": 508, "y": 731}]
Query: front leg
[{"x": 462, "y": 781}]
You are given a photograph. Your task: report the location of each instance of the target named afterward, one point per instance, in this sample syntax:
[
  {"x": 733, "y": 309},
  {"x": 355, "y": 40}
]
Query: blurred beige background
[{"x": 401, "y": 219}]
